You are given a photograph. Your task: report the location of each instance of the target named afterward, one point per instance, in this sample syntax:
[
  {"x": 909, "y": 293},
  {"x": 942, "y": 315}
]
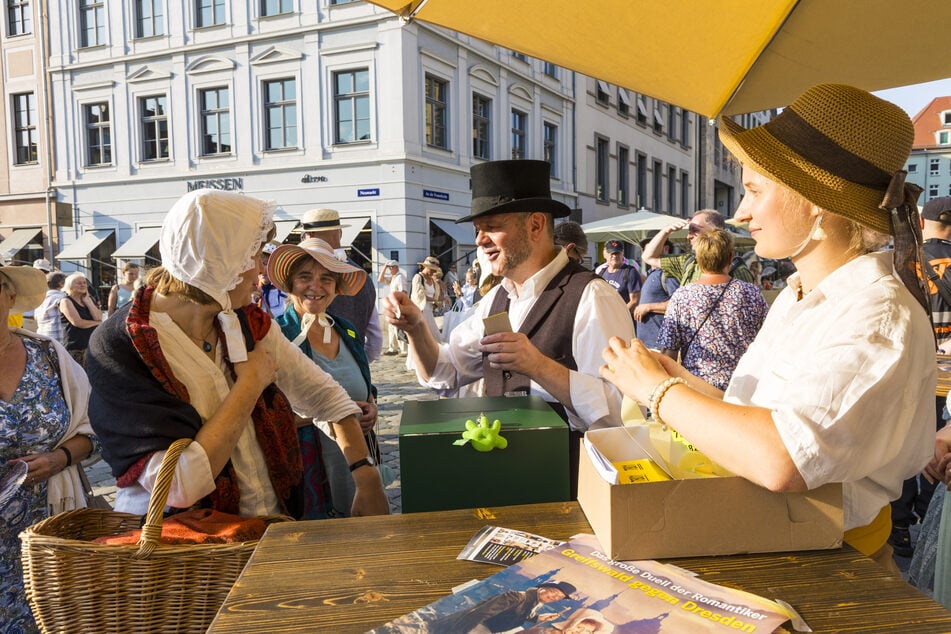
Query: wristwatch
[{"x": 362, "y": 462}]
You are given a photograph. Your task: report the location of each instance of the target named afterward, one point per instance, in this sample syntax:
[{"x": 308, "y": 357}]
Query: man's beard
[{"x": 516, "y": 255}]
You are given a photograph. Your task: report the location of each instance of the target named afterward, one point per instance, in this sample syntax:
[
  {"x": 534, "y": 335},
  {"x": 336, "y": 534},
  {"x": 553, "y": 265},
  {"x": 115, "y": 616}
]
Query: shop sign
[{"x": 229, "y": 184}]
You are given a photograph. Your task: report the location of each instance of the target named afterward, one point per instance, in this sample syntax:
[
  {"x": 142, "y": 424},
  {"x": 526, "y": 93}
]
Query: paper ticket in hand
[{"x": 497, "y": 323}]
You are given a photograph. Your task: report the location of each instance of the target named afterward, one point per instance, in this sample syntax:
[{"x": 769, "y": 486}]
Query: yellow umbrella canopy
[{"x": 713, "y": 57}]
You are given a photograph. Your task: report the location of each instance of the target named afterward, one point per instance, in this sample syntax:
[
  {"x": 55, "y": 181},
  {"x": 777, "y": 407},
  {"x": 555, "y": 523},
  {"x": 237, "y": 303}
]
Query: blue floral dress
[
  {"x": 712, "y": 325},
  {"x": 32, "y": 422}
]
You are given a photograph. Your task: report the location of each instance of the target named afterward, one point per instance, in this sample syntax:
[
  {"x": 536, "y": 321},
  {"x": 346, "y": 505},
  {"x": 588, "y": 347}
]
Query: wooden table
[{"x": 350, "y": 575}]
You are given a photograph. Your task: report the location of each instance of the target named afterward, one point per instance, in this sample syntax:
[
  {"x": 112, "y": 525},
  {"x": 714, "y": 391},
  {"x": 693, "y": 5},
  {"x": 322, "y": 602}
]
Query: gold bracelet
[{"x": 658, "y": 394}]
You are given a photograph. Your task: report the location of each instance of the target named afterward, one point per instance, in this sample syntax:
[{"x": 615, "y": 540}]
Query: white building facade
[
  {"x": 329, "y": 104},
  {"x": 317, "y": 106}
]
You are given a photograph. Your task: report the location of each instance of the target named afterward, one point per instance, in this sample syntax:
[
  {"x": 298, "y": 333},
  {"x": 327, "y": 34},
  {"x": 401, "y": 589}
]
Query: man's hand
[
  {"x": 641, "y": 311},
  {"x": 401, "y": 312},
  {"x": 655, "y": 248},
  {"x": 512, "y": 351}
]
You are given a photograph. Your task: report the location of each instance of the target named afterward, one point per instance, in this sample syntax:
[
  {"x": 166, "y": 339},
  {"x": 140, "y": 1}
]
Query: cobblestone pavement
[{"x": 395, "y": 385}]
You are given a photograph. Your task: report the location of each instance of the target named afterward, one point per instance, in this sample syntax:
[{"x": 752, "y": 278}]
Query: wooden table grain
[{"x": 351, "y": 575}]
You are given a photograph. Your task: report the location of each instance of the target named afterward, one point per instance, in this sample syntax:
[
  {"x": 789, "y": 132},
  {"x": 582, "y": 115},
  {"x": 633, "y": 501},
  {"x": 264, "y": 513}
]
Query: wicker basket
[{"x": 74, "y": 585}]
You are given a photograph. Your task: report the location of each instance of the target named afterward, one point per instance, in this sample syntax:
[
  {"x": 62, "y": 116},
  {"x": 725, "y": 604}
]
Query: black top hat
[
  {"x": 500, "y": 187},
  {"x": 566, "y": 588}
]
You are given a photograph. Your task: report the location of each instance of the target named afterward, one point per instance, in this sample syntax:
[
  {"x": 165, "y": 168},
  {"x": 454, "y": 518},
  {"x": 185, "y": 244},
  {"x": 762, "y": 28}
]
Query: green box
[{"x": 436, "y": 475}]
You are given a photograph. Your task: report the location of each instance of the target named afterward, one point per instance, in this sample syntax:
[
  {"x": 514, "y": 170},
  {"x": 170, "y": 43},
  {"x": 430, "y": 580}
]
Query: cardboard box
[
  {"x": 437, "y": 475},
  {"x": 705, "y": 516}
]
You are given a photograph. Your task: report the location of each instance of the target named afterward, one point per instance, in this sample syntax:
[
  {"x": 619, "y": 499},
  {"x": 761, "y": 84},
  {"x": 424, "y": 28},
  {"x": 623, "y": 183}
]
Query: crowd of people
[{"x": 261, "y": 352}]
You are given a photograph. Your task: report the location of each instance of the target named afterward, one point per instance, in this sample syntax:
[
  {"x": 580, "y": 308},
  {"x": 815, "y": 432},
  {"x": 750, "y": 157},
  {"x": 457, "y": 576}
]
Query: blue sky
[{"x": 913, "y": 98}]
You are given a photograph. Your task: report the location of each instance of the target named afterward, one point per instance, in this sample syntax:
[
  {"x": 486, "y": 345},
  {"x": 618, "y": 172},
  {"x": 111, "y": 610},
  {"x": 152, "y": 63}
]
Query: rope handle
[{"x": 152, "y": 529}]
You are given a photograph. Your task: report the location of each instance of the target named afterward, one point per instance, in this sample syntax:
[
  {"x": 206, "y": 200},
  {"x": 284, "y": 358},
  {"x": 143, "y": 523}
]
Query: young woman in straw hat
[
  {"x": 838, "y": 386},
  {"x": 426, "y": 291}
]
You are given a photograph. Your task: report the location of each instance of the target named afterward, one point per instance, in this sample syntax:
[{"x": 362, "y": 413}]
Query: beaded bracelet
[
  {"x": 69, "y": 456},
  {"x": 658, "y": 394}
]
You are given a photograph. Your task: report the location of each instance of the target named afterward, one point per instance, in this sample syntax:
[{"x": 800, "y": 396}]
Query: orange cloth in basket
[{"x": 198, "y": 526}]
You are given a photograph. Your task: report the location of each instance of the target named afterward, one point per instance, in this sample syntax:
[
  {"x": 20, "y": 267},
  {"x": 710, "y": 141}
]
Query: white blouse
[{"x": 849, "y": 373}]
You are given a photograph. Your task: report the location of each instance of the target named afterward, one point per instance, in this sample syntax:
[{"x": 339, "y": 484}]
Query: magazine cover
[
  {"x": 504, "y": 546},
  {"x": 574, "y": 588}
]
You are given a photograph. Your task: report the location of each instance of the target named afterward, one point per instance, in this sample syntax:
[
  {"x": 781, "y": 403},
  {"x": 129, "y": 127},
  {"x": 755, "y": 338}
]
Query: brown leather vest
[{"x": 549, "y": 325}]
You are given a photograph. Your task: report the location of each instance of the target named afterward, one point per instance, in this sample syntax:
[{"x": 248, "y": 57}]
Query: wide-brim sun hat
[
  {"x": 28, "y": 283},
  {"x": 838, "y": 146},
  {"x": 282, "y": 260},
  {"x": 431, "y": 263},
  {"x": 512, "y": 186}
]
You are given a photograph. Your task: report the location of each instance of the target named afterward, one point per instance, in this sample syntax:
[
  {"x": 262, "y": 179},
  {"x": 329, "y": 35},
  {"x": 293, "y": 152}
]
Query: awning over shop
[
  {"x": 283, "y": 229},
  {"x": 138, "y": 245},
  {"x": 16, "y": 241},
  {"x": 350, "y": 233},
  {"x": 462, "y": 234},
  {"x": 81, "y": 249}
]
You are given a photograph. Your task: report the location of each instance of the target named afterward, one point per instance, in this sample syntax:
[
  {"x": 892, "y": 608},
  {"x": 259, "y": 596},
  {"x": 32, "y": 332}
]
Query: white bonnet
[{"x": 209, "y": 238}]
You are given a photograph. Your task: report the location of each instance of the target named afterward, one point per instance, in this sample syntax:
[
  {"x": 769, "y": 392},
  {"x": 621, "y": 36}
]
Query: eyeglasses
[{"x": 692, "y": 228}]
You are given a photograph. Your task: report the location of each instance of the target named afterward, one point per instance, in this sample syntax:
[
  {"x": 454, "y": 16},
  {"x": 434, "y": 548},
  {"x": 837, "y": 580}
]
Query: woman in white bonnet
[{"x": 190, "y": 356}]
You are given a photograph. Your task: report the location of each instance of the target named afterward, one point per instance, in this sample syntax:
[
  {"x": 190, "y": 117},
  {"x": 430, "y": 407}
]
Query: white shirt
[
  {"x": 398, "y": 283},
  {"x": 601, "y": 315},
  {"x": 849, "y": 374},
  {"x": 311, "y": 392}
]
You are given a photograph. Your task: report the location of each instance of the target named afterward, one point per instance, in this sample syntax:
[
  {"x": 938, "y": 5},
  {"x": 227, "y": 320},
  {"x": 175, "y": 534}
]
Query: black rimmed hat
[
  {"x": 500, "y": 187},
  {"x": 566, "y": 588}
]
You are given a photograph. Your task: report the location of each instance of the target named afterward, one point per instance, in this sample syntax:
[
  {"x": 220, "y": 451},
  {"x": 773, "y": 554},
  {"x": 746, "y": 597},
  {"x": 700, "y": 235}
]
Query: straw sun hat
[
  {"x": 431, "y": 262},
  {"x": 837, "y": 146},
  {"x": 321, "y": 220},
  {"x": 282, "y": 260},
  {"x": 29, "y": 284}
]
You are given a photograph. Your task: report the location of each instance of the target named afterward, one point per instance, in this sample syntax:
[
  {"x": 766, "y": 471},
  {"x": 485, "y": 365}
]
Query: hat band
[
  {"x": 814, "y": 146},
  {"x": 320, "y": 223}
]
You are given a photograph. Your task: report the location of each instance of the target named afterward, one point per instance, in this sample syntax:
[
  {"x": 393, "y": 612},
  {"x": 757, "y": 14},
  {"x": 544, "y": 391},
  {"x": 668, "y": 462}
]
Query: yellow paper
[{"x": 643, "y": 470}]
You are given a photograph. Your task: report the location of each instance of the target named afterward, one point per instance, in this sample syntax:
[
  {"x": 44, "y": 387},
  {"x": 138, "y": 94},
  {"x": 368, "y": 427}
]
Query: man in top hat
[
  {"x": 507, "y": 611},
  {"x": 561, "y": 314},
  {"x": 359, "y": 309},
  {"x": 621, "y": 275}
]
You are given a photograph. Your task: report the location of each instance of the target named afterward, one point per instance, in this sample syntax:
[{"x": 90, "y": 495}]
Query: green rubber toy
[{"x": 482, "y": 435}]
